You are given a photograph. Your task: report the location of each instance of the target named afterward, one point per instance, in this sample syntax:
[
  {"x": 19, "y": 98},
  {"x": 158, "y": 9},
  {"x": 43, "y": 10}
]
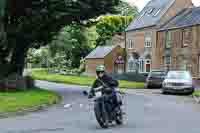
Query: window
[
  {"x": 150, "y": 11},
  {"x": 157, "y": 12},
  {"x": 130, "y": 66},
  {"x": 130, "y": 44},
  {"x": 130, "y": 57},
  {"x": 187, "y": 37},
  {"x": 167, "y": 60},
  {"x": 130, "y": 62},
  {"x": 142, "y": 15},
  {"x": 168, "y": 40},
  {"x": 148, "y": 42},
  {"x": 141, "y": 66}
]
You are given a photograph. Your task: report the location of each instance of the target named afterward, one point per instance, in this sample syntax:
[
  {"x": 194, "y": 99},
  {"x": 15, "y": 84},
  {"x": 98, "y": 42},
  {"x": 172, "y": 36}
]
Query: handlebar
[
  {"x": 85, "y": 93},
  {"x": 101, "y": 87}
]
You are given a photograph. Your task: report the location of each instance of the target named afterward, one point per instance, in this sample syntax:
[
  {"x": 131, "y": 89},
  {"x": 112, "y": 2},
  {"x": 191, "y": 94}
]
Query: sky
[{"x": 141, "y": 3}]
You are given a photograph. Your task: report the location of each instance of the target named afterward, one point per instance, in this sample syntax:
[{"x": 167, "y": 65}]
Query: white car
[{"x": 178, "y": 82}]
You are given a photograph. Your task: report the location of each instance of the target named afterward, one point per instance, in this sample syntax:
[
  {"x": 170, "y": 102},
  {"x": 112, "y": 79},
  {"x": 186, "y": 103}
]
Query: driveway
[{"x": 147, "y": 112}]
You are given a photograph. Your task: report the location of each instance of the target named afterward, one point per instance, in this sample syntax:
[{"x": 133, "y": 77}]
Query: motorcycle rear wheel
[{"x": 119, "y": 117}]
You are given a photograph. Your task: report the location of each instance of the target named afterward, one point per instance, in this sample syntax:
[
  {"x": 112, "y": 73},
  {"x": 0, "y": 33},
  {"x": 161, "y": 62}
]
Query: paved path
[{"x": 147, "y": 113}]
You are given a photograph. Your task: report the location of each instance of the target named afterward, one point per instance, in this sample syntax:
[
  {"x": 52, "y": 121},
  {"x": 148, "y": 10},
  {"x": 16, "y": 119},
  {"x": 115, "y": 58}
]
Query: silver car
[{"x": 178, "y": 82}]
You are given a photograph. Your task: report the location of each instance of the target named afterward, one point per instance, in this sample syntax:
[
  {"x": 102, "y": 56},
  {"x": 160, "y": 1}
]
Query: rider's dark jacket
[{"x": 105, "y": 81}]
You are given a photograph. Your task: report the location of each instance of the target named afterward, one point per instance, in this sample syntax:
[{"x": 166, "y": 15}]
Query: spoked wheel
[{"x": 102, "y": 118}]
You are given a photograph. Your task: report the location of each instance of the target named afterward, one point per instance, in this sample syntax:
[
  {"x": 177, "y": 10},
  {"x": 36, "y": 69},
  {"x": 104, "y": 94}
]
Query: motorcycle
[{"x": 105, "y": 115}]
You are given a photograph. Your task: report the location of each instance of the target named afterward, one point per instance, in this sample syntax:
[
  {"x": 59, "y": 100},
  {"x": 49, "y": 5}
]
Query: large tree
[
  {"x": 125, "y": 9},
  {"x": 33, "y": 23},
  {"x": 72, "y": 42},
  {"x": 107, "y": 25}
]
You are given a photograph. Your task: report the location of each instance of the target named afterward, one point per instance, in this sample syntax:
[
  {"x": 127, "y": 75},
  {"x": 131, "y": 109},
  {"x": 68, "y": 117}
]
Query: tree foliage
[
  {"x": 108, "y": 25},
  {"x": 71, "y": 42},
  {"x": 33, "y": 23},
  {"x": 126, "y": 9}
]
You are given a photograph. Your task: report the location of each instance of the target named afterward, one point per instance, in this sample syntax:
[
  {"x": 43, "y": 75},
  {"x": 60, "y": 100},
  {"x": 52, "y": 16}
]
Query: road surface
[{"x": 147, "y": 112}]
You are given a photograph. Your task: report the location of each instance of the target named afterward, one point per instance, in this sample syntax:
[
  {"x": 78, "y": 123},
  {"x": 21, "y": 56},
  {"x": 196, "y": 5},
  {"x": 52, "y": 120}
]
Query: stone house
[
  {"x": 141, "y": 34},
  {"x": 178, "y": 44},
  {"x": 109, "y": 56}
]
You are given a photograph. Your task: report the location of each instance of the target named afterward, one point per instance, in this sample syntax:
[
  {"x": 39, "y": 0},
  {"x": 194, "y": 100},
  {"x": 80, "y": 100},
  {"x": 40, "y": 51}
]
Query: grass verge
[
  {"x": 79, "y": 80},
  {"x": 196, "y": 93},
  {"x": 32, "y": 100}
]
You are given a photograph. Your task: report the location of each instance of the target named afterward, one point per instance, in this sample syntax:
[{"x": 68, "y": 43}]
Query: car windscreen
[{"x": 179, "y": 75}]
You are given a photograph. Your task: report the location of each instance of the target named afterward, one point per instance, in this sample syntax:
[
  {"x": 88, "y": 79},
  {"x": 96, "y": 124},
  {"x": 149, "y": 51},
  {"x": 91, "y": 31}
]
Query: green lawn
[
  {"x": 78, "y": 80},
  {"x": 197, "y": 93},
  {"x": 26, "y": 100}
]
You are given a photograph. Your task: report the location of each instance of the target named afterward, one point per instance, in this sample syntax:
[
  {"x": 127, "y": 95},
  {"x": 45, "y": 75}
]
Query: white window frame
[
  {"x": 141, "y": 66},
  {"x": 130, "y": 66},
  {"x": 157, "y": 12},
  {"x": 150, "y": 11},
  {"x": 148, "y": 42},
  {"x": 130, "y": 44}
]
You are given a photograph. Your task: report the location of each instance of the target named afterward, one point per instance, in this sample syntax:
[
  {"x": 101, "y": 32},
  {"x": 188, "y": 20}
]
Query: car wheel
[{"x": 163, "y": 92}]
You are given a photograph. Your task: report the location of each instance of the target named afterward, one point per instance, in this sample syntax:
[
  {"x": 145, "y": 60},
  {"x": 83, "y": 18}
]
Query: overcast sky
[{"x": 141, "y": 3}]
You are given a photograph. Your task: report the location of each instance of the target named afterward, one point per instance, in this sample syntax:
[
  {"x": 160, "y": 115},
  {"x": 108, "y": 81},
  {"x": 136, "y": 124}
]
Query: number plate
[{"x": 98, "y": 94}]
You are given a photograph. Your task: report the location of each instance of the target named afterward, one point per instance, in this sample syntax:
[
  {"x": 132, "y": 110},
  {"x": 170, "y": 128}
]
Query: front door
[{"x": 148, "y": 68}]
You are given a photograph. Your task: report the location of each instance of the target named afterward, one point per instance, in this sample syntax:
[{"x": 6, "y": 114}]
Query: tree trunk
[{"x": 18, "y": 57}]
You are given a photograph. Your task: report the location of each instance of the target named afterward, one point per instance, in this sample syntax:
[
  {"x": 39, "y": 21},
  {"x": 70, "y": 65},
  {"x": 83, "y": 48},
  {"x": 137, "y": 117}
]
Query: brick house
[
  {"x": 110, "y": 56},
  {"x": 178, "y": 44},
  {"x": 141, "y": 34}
]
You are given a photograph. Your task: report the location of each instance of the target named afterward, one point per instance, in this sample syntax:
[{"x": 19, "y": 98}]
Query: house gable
[
  {"x": 157, "y": 12},
  {"x": 151, "y": 14}
]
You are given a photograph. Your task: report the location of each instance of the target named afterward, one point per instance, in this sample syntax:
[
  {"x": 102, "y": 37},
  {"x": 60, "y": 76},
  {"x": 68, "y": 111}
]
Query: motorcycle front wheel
[{"x": 101, "y": 117}]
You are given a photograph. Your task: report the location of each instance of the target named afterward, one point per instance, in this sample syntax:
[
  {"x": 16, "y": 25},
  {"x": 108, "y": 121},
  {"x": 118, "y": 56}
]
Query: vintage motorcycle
[{"x": 105, "y": 114}]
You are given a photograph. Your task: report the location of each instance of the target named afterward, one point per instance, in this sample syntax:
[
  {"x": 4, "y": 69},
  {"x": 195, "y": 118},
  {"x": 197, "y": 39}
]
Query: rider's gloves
[{"x": 90, "y": 96}]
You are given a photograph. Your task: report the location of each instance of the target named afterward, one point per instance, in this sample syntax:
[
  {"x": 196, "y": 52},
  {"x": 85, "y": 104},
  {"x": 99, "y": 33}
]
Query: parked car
[
  {"x": 155, "y": 79},
  {"x": 178, "y": 82}
]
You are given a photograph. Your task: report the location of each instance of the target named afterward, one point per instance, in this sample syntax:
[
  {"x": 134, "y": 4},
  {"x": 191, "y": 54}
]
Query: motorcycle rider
[{"x": 105, "y": 81}]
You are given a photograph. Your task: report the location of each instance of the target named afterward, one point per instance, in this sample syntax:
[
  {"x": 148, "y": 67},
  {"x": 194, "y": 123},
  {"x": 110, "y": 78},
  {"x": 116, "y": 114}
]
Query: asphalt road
[{"x": 147, "y": 112}]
